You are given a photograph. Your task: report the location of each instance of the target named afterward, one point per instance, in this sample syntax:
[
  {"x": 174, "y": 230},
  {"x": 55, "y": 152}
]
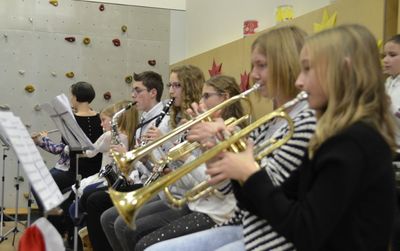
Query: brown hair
[
  {"x": 191, "y": 79},
  {"x": 226, "y": 84}
]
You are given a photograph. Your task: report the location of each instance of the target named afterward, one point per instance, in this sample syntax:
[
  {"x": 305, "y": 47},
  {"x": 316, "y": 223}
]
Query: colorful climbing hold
[
  {"x": 70, "y": 74},
  {"x": 128, "y": 79},
  {"x": 107, "y": 95},
  {"x": 116, "y": 42},
  {"x": 29, "y": 88},
  {"x": 70, "y": 39},
  {"x": 54, "y": 2},
  {"x": 86, "y": 40}
]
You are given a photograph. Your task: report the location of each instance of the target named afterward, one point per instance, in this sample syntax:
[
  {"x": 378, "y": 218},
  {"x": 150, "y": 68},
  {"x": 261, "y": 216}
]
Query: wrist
[{"x": 250, "y": 170}]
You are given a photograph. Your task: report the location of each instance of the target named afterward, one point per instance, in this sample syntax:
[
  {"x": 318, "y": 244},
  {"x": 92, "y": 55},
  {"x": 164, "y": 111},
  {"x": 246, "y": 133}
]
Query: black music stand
[
  {"x": 60, "y": 112},
  {"x": 15, "y": 229}
]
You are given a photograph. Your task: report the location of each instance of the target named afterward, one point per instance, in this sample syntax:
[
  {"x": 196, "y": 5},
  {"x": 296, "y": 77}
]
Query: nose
[
  {"x": 385, "y": 59},
  {"x": 254, "y": 74},
  {"x": 300, "y": 82}
]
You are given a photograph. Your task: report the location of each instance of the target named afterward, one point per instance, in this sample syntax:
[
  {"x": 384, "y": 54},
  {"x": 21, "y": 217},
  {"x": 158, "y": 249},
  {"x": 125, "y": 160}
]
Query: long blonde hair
[
  {"x": 281, "y": 47},
  {"x": 127, "y": 122},
  {"x": 347, "y": 64},
  {"x": 191, "y": 79}
]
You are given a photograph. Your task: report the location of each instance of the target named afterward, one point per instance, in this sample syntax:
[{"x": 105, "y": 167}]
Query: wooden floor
[
  {"x": 6, "y": 245},
  {"x": 7, "y": 234}
]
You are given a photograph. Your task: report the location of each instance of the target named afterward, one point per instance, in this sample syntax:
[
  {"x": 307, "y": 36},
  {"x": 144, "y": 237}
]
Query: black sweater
[
  {"x": 342, "y": 199},
  {"x": 91, "y": 126}
]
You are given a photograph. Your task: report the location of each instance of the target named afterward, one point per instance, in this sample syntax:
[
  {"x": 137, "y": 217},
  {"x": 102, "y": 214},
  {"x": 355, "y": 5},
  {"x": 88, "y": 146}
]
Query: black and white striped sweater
[{"x": 258, "y": 234}]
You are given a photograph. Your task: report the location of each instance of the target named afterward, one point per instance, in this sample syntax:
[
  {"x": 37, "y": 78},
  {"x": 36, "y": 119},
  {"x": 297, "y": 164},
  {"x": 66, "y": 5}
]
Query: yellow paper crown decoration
[
  {"x": 284, "y": 13},
  {"x": 379, "y": 43},
  {"x": 326, "y": 23}
]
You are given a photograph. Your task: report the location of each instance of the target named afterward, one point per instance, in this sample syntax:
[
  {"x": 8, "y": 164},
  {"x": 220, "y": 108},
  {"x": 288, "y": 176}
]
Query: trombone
[
  {"x": 124, "y": 160},
  {"x": 129, "y": 204}
]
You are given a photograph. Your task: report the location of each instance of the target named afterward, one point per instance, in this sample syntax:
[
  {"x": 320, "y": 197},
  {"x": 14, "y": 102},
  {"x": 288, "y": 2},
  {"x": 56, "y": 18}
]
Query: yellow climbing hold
[
  {"x": 70, "y": 74},
  {"x": 86, "y": 40},
  {"x": 29, "y": 88},
  {"x": 54, "y": 2}
]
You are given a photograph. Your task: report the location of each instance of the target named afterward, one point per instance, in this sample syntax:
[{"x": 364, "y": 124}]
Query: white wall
[
  {"x": 177, "y": 43},
  {"x": 32, "y": 41},
  {"x": 207, "y": 24}
]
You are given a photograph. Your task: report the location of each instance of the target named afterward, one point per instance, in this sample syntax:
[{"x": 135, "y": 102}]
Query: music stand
[
  {"x": 6, "y": 147},
  {"x": 15, "y": 229},
  {"x": 60, "y": 112},
  {"x": 13, "y": 130}
]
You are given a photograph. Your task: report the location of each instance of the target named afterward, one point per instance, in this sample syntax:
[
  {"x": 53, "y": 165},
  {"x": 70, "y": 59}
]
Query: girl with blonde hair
[
  {"x": 275, "y": 66},
  {"x": 342, "y": 197},
  {"x": 95, "y": 200}
]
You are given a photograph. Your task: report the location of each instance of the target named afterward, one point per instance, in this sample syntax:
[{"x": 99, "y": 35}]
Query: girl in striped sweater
[{"x": 275, "y": 66}]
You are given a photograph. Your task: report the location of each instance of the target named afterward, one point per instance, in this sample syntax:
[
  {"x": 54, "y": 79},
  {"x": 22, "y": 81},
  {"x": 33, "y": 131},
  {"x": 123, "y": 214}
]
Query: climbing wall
[{"x": 47, "y": 45}]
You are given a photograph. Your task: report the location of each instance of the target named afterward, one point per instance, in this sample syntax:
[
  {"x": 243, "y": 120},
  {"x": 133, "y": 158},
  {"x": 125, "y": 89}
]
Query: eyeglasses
[
  {"x": 207, "y": 95},
  {"x": 137, "y": 90},
  {"x": 174, "y": 85}
]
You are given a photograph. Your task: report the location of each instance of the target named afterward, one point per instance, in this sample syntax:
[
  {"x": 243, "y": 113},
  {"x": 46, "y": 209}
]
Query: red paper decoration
[
  {"x": 244, "y": 81},
  {"x": 249, "y": 27},
  {"x": 215, "y": 69},
  {"x": 116, "y": 42}
]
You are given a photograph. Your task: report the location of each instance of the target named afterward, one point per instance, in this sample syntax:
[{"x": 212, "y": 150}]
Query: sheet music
[
  {"x": 3, "y": 138},
  {"x": 61, "y": 113},
  {"x": 31, "y": 160}
]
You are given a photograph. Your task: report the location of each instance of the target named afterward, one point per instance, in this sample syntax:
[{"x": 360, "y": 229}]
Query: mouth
[{"x": 262, "y": 85}]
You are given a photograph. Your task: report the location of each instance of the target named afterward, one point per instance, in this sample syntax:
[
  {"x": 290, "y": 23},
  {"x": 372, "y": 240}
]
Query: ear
[{"x": 153, "y": 93}]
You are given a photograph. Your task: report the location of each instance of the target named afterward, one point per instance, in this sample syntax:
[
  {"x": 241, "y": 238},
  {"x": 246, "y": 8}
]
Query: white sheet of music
[
  {"x": 31, "y": 160},
  {"x": 5, "y": 141},
  {"x": 61, "y": 113}
]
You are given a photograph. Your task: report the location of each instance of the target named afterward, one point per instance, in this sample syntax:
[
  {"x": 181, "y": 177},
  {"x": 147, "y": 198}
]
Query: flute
[
  {"x": 37, "y": 134},
  {"x": 52, "y": 131}
]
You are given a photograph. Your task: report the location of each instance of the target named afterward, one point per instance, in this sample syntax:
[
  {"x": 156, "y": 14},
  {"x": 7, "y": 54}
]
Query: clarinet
[
  {"x": 164, "y": 112},
  {"x": 157, "y": 170},
  {"x": 108, "y": 173}
]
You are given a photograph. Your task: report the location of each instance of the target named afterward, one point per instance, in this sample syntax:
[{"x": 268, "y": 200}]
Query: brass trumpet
[
  {"x": 182, "y": 149},
  {"x": 129, "y": 204},
  {"x": 124, "y": 160}
]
